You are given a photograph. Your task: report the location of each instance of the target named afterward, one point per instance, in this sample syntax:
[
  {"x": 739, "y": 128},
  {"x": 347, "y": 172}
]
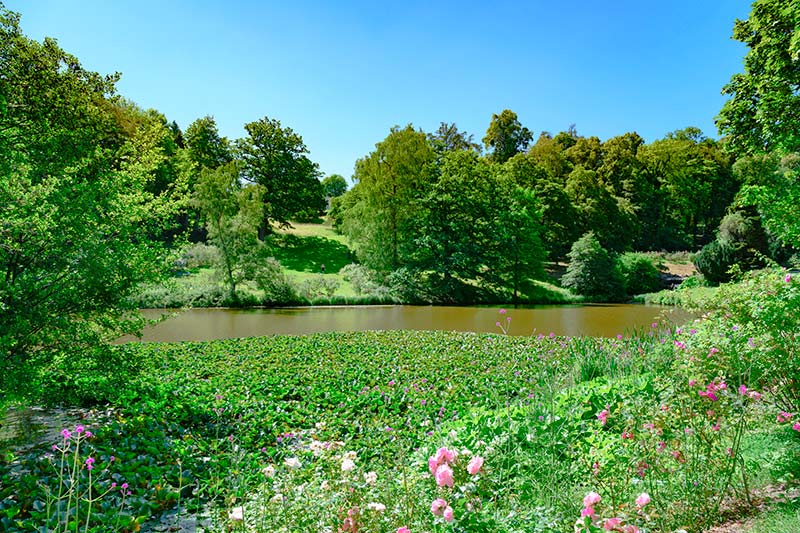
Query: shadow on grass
[{"x": 308, "y": 254}]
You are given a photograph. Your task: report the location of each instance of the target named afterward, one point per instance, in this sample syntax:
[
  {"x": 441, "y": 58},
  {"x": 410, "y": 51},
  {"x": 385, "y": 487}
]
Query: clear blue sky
[{"x": 342, "y": 73}]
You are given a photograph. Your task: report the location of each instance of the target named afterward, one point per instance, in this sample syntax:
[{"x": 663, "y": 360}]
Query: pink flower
[
  {"x": 796, "y": 426},
  {"x": 742, "y": 389},
  {"x": 475, "y": 465},
  {"x": 444, "y": 476},
  {"x": 79, "y": 429},
  {"x": 788, "y": 278},
  {"x": 66, "y": 434},
  {"x": 587, "y": 511},
  {"x": 602, "y": 416},
  {"x": 433, "y": 464},
  {"x": 754, "y": 395},
  {"x": 403, "y": 529},
  {"x": 642, "y": 500},
  {"x": 502, "y": 311},
  {"x": 591, "y": 499},
  {"x": 443, "y": 455},
  {"x": 692, "y": 382},
  {"x": 89, "y": 463},
  {"x": 448, "y": 514},
  {"x": 612, "y": 523},
  {"x": 630, "y": 528},
  {"x": 438, "y": 506}
]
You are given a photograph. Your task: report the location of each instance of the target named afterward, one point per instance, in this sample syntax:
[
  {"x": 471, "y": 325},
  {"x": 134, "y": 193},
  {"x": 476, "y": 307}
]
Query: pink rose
[
  {"x": 587, "y": 511},
  {"x": 433, "y": 464},
  {"x": 612, "y": 523},
  {"x": 448, "y": 514},
  {"x": 444, "y": 476},
  {"x": 403, "y": 529},
  {"x": 591, "y": 499},
  {"x": 475, "y": 465},
  {"x": 443, "y": 455},
  {"x": 438, "y": 506},
  {"x": 642, "y": 500}
]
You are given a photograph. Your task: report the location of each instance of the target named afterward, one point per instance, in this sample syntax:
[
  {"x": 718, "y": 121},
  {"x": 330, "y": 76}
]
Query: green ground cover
[{"x": 334, "y": 432}]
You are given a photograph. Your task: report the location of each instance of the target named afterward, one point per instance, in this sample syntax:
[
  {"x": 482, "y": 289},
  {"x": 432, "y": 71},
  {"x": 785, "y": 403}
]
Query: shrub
[
  {"x": 199, "y": 255},
  {"x": 715, "y": 260},
  {"x": 592, "y": 271},
  {"x": 640, "y": 273},
  {"x": 363, "y": 280},
  {"x": 271, "y": 278},
  {"x": 318, "y": 286}
]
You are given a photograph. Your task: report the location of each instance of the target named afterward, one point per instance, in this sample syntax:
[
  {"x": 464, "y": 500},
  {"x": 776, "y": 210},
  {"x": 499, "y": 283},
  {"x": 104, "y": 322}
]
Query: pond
[{"x": 592, "y": 320}]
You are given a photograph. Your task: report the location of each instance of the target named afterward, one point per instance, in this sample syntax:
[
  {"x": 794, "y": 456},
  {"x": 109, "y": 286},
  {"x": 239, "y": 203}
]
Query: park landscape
[{"x": 107, "y": 208}]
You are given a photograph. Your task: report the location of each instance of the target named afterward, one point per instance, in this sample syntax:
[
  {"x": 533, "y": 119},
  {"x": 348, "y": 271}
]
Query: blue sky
[{"x": 342, "y": 73}]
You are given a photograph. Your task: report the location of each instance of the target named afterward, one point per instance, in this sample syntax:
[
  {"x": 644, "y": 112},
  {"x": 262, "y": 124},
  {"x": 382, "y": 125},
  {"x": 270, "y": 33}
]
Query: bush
[
  {"x": 318, "y": 287},
  {"x": 198, "y": 255},
  {"x": 592, "y": 272},
  {"x": 271, "y": 278},
  {"x": 363, "y": 280},
  {"x": 640, "y": 273},
  {"x": 715, "y": 260}
]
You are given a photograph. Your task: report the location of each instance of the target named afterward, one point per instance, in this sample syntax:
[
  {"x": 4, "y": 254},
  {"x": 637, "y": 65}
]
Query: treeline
[{"x": 453, "y": 220}]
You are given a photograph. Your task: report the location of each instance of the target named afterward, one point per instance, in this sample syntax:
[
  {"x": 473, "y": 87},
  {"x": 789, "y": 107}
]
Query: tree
[
  {"x": 232, "y": 214},
  {"x": 506, "y": 136},
  {"x": 592, "y": 271},
  {"x": 76, "y": 205},
  {"x": 277, "y": 159},
  {"x": 448, "y": 139},
  {"x": 334, "y": 185},
  {"x": 763, "y": 112},
  {"x": 206, "y": 148},
  {"x": 389, "y": 184}
]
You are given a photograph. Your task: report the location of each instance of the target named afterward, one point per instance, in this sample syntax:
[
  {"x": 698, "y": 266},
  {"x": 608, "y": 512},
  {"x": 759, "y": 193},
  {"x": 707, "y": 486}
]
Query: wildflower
[
  {"x": 268, "y": 471},
  {"x": 236, "y": 514},
  {"x": 403, "y": 529},
  {"x": 612, "y": 523},
  {"x": 602, "y": 416},
  {"x": 438, "y": 506},
  {"x": 448, "y": 514},
  {"x": 642, "y": 500},
  {"x": 796, "y": 426},
  {"x": 377, "y": 507},
  {"x": 293, "y": 462},
  {"x": 788, "y": 278},
  {"x": 588, "y": 511},
  {"x": 444, "y": 476},
  {"x": 278, "y": 498},
  {"x": 443, "y": 455},
  {"x": 784, "y": 417},
  {"x": 591, "y": 499},
  {"x": 475, "y": 465},
  {"x": 754, "y": 395},
  {"x": 89, "y": 463},
  {"x": 370, "y": 478},
  {"x": 66, "y": 434},
  {"x": 742, "y": 389},
  {"x": 502, "y": 311},
  {"x": 79, "y": 429},
  {"x": 348, "y": 465}
]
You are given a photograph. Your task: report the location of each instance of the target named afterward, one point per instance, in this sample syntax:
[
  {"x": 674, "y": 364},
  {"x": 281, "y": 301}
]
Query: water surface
[{"x": 592, "y": 320}]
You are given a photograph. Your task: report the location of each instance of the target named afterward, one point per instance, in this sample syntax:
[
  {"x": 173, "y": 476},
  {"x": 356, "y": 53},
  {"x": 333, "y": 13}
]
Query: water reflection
[{"x": 593, "y": 320}]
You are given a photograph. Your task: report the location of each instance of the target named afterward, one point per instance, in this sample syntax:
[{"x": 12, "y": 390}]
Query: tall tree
[
  {"x": 276, "y": 158},
  {"x": 506, "y": 136},
  {"x": 389, "y": 183},
  {"x": 76, "y": 204},
  {"x": 763, "y": 112},
  {"x": 206, "y": 147},
  {"x": 232, "y": 214},
  {"x": 449, "y": 139},
  {"x": 334, "y": 185}
]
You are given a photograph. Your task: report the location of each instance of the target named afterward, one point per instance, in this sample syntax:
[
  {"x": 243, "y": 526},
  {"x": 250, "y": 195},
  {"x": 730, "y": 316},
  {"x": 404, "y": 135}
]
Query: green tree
[
  {"x": 277, "y": 159},
  {"x": 334, "y": 185},
  {"x": 389, "y": 183},
  {"x": 592, "y": 271},
  {"x": 76, "y": 205},
  {"x": 763, "y": 112},
  {"x": 232, "y": 214},
  {"x": 206, "y": 148},
  {"x": 506, "y": 136},
  {"x": 449, "y": 139}
]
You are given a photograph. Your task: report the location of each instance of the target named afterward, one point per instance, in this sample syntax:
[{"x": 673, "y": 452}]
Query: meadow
[{"x": 659, "y": 430}]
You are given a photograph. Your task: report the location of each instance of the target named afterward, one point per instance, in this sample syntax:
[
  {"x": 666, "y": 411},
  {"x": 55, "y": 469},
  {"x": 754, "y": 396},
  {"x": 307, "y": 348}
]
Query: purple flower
[
  {"x": 66, "y": 434},
  {"x": 89, "y": 463}
]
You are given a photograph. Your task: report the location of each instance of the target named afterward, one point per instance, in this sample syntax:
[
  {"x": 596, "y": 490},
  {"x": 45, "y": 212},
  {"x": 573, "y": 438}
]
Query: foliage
[
  {"x": 592, "y": 271},
  {"x": 76, "y": 203},
  {"x": 363, "y": 280},
  {"x": 641, "y": 273},
  {"x": 506, "y": 136},
  {"x": 317, "y": 287},
  {"x": 715, "y": 260},
  {"x": 448, "y": 139},
  {"x": 334, "y": 185},
  {"x": 275, "y": 158},
  {"x": 762, "y": 112},
  {"x": 232, "y": 214},
  {"x": 271, "y": 279}
]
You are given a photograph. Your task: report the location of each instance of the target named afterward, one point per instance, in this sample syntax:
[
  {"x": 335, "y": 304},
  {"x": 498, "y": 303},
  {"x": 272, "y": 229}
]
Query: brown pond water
[{"x": 592, "y": 320}]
